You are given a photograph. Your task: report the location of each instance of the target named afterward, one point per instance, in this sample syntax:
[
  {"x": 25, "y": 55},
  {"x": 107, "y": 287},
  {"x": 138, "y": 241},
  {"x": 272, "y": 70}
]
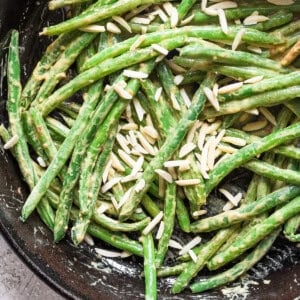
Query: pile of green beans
[{"x": 169, "y": 110}]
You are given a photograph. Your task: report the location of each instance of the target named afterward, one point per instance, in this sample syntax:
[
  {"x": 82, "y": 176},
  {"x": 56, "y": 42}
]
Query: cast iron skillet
[{"x": 76, "y": 272}]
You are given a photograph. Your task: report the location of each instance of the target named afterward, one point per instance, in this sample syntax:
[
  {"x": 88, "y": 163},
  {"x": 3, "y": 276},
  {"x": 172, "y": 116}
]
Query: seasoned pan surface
[{"x": 76, "y": 272}]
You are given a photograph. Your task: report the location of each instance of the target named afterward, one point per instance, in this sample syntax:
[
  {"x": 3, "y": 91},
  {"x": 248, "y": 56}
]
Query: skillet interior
[{"x": 77, "y": 272}]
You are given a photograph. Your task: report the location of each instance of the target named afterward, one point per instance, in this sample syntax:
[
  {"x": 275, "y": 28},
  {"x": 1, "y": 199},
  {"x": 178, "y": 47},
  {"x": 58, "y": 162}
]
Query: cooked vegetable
[{"x": 135, "y": 117}]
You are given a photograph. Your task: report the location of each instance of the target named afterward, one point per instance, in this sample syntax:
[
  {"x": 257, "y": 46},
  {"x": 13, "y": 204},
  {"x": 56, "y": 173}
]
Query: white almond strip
[
  {"x": 174, "y": 244},
  {"x": 138, "y": 166},
  {"x": 238, "y": 39},
  {"x": 116, "y": 164},
  {"x": 185, "y": 97},
  {"x": 230, "y": 88},
  {"x": 199, "y": 213},
  {"x": 89, "y": 239},
  {"x": 176, "y": 163},
  {"x": 93, "y": 28},
  {"x": 191, "y": 133},
  {"x": 158, "y": 93},
  {"x": 103, "y": 208},
  {"x": 122, "y": 22},
  {"x": 122, "y": 92},
  {"x": 11, "y": 142},
  {"x": 146, "y": 144},
  {"x": 193, "y": 256},
  {"x": 124, "y": 198},
  {"x": 106, "y": 171},
  {"x": 178, "y": 79},
  {"x": 111, "y": 27},
  {"x": 41, "y": 162},
  {"x": 151, "y": 131},
  {"x": 139, "y": 20},
  {"x": 254, "y": 19},
  {"x": 190, "y": 245},
  {"x": 135, "y": 74},
  {"x": 160, "y": 49},
  {"x": 126, "y": 158},
  {"x": 137, "y": 43},
  {"x": 108, "y": 185},
  {"x": 223, "y": 5},
  {"x": 153, "y": 223},
  {"x": 188, "y": 182},
  {"x": 130, "y": 126},
  {"x": 187, "y": 20},
  {"x": 164, "y": 174},
  {"x": 201, "y": 136},
  {"x": 175, "y": 103},
  {"x": 140, "y": 185},
  {"x": 122, "y": 141},
  {"x": 254, "y": 79},
  {"x": 211, "y": 98},
  {"x": 268, "y": 115},
  {"x": 234, "y": 141},
  {"x": 160, "y": 230},
  {"x": 139, "y": 109},
  {"x": 130, "y": 177},
  {"x": 107, "y": 253},
  {"x": 186, "y": 149},
  {"x": 223, "y": 20}
]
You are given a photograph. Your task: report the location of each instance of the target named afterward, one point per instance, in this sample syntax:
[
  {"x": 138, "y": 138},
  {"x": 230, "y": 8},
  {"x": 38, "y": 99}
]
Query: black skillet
[{"x": 76, "y": 272}]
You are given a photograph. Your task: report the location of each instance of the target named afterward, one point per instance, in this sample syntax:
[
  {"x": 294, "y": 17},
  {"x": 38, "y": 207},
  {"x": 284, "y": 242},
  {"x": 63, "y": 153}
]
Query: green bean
[
  {"x": 288, "y": 29},
  {"x": 168, "y": 148},
  {"x": 172, "y": 271},
  {"x": 279, "y": 18},
  {"x": 207, "y": 251},
  {"x": 52, "y": 52},
  {"x": 239, "y": 269},
  {"x": 97, "y": 14},
  {"x": 104, "y": 130},
  {"x": 57, "y": 127},
  {"x": 115, "y": 240},
  {"x": 247, "y": 211},
  {"x": 182, "y": 215},
  {"x": 108, "y": 67},
  {"x": 13, "y": 109},
  {"x": 150, "y": 206},
  {"x": 256, "y": 233},
  {"x": 243, "y": 73},
  {"x": 290, "y": 229},
  {"x": 43, "y": 134},
  {"x": 72, "y": 174},
  {"x": 198, "y": 50},
  {"x": 31, "y": 136},
  {"x": 60, "y": 159},
  {"x": 169, "y": 220},
  {"x": 115, "y": 225},
  {"x": 288, "y": 151},
  {"x": 149, "y": 267},
  {"x": 171, "y": 89},
  {"x": 246, "y": 153},
  {"x": 184, "y": 7},
  {"x": 64, "y": 61},
  {"x": 241, "y": 12},
  {"x": 263, "y": 99},
  {"x": 92, "y": 187},
  {"x": 276, "y": 82},
  {"x": 159, "y": 34},
  {"x": 273, "y": 172}
]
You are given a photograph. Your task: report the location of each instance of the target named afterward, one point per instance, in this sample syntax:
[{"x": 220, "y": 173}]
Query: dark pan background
[{"x": 77, "y": 273}]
